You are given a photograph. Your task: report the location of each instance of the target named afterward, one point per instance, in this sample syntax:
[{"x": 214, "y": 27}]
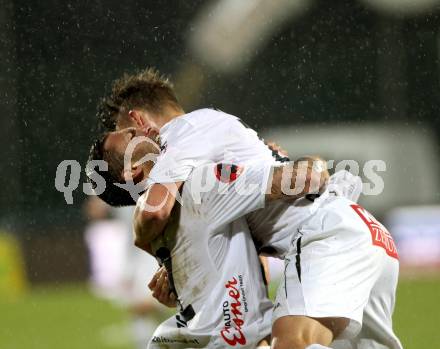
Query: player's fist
[{"x": 159, "y": 285}]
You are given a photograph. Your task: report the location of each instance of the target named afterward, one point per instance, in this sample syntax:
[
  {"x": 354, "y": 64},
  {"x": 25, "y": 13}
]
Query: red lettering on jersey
[
  {"x": 233, "y": 335},
  {"x": 379, "y": 234},
  {"x": 237, "y": 337}
]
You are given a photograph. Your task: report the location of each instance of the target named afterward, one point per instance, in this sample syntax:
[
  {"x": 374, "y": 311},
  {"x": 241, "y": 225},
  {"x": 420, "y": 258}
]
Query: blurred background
[{"x": 349, "y": 80}]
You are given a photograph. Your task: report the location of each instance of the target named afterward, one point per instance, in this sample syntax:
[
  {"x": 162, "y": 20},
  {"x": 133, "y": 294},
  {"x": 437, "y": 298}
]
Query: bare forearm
[
  {"x": 152, "y": 212},
  {"x": 147, "y": 228},
  {"x": 283, "y": 183},
  {"x": 265, "y": 268},
  {"x": 296, "y": 179}
]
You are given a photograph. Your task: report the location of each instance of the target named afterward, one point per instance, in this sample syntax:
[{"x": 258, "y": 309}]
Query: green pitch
[
  {"x": 69, "y": 317},
  {"x": 417, "y": 314}
]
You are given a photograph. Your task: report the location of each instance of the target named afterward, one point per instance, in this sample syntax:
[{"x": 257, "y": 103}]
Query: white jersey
[
  {"x": 205, "y": 136},
  {"x": 343, "y": 263},
  {"x": 340, "y": 262},
  {"x": 214, "y": 265},
  {"x": 276, "y": 226},
  {"x": 209, "y": 136}
]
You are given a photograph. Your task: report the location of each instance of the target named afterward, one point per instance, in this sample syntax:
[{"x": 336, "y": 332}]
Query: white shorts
[{"x": 343, "y": 263}]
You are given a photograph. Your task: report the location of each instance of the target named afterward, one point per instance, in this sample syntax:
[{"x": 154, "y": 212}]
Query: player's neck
[{"x": 168, "y": 116}]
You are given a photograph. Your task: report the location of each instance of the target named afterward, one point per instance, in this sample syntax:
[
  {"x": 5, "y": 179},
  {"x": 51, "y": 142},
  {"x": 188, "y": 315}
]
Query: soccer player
[
  {"x": 341, "y": 264},
  {"x": 210, "y": 257},
  {"x": 147, "y": 101}
]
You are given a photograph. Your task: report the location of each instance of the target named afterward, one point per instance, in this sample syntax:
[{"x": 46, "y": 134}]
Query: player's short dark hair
[
  {"x": 112, "y": 195},
  {"x": 146, "y": 89}
]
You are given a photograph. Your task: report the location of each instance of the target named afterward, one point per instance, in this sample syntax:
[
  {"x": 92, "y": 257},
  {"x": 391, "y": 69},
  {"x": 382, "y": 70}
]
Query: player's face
[{"x": 118, "y": 142}]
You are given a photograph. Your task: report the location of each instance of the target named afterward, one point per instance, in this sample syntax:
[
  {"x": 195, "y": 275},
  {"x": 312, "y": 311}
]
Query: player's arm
[
  {"x": 293, "y": 180},
  {"x": 152, "y": 213},
  {"x": 257, "y": 184},
  {"x": 264, "y": 262}
]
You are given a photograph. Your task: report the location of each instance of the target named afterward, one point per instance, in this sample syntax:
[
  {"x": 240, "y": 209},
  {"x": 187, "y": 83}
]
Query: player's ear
[
  {"x": 137, "y": 117},
  {"x": 134, "y": 174}
]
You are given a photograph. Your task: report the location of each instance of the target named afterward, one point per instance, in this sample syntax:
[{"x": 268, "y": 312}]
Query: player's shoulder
[
  {"x": 198, "y": 121},
  {"x": 207, "y": 115}
]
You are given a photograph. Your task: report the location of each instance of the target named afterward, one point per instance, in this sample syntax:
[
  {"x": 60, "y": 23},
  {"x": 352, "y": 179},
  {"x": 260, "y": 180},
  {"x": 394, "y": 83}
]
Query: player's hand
[
  {"x": 345, "y": 184},
  {"x": 160, "y": 289},
  {"x": 320, "y": 170}
]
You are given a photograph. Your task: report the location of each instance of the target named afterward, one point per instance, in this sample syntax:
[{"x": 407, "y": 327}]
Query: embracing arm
[
  {"x": 152, "y": 213},
  {"x": 293, "y": 180}
]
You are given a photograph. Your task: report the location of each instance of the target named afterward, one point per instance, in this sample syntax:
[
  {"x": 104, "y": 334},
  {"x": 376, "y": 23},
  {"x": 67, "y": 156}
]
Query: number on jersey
[{"x": 380, "y": 235}]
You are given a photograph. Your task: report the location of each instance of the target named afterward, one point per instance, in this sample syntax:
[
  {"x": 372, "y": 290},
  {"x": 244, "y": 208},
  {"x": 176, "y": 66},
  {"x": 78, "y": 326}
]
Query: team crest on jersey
[{"x": 227, "y": 173}]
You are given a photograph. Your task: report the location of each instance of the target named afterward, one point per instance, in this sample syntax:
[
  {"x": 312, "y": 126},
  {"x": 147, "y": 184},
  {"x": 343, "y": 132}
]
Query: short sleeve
[
  {"x": 174, "y": 165},
  {"x": 226, "y": 192},
  {"x": 185, "y": 147}
]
